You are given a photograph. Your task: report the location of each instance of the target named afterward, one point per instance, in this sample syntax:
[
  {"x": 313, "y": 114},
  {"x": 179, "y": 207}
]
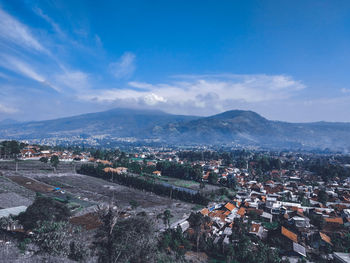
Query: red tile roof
[
  {"x": 230, "y": 206},
  {"x": 205, "y": 211},
  {"x": 241, "y": 211}
]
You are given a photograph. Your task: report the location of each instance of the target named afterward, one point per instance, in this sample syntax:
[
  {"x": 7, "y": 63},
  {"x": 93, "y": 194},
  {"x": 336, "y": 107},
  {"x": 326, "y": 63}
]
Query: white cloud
[
  {"x": 24, "y": 69},
  {"x": 344, "y": 90},
  {"x": 206, "y": 93},
  {"x": 124, "y": 67},
  {"x": 21, "y": 67},
  {"x": 13, "y": 31},
  {"x": 153, "y": 99},
  {"x": 49, "y": 20},
  {"x": 7, "y": 109},
  {"x": 75, "y": 80}
]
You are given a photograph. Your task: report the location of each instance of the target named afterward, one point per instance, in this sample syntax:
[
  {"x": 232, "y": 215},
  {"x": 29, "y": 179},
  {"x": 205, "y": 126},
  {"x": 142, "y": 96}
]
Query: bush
[{"x": 43, "y": 209}]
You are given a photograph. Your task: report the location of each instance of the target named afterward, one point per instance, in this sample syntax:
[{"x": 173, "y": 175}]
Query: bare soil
[
  {"x": 89, "y": 221},
  {"x": 31, "y": 184},
  {"x": 35, "y": 176}
]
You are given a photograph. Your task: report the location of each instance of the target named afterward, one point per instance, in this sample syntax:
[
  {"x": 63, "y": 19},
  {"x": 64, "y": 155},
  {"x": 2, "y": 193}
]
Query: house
[
  {"x": 15, "y": 211},
  {"x": 183, "y": 223},
  {"x": 299, "y": 249},
  {"x": 204, "y": 211},
  {"x": 105, "y": 162},
  {"x": 302, "y": 222},
  {"x": 118, "y": 170},
  {"x": 241, "y": 211},
  {"x": 258, "y": 230},
  {"x": 267, "y": 216},
  {"x": 326, "y": 238},
  {"x": 289, "y": 234},
  {"x": 12, "y": 211},
  {"x": 334, "y": 220},
  {"x": 157, "y": 173},
  {"x": 230, "y": 206},
  {"x": 341, "y": 257}
]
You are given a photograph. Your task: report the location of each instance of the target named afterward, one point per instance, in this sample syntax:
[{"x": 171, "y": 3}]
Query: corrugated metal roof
[
  {"x": 299, "y": 249},
  {"x": 12, "y": 211}
]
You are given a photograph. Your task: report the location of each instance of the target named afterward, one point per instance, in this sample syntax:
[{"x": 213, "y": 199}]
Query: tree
[
  {"x": 104, "y": 236},
  {"x": 135, "y": 240},
  {"x": 44, "y": 159},
  {"x": 175, "y": 240},
  {"x": 322, "y": 197},
  {"x": 7, "y": 222},
  {"x": 166, "y": 216},
  {"x": 52, "y": 237},
  {"x": 201, "y": 184},
  {"x": 124, "y": 240},
  {"x": 212, "y": 178},
  {"x": 198, "y": 223},
  {"x": 134, "y": 204},
  {"x": 60, "y": 238},
  {"x": 43, "y": 209},
  {"x": 54, "y": 160}
]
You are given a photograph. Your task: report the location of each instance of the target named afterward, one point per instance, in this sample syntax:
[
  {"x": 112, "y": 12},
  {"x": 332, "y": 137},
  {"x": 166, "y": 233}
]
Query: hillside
[{"x": 231, "y": 127}]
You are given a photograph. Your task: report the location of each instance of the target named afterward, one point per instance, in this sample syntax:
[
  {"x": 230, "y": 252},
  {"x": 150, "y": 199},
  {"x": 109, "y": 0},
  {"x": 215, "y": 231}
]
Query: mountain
[
  {"x": 235, "y": 127},
  {"x": 249, "y": 128},
  {"x": 115, "y": 122},
  {"x": 8, "y": 122}
]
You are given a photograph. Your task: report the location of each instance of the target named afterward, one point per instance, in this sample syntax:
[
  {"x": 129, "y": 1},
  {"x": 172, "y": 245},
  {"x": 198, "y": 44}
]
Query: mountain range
[{"x": 235, "y": 127}]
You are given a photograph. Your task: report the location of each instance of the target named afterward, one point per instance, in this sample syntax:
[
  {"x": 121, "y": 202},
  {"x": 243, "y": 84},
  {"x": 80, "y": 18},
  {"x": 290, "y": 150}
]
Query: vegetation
[
  {"x": 180, "y": 171},
  {"x": 54, "y": 160},
  {"x": 175, "y": 240},
  {"x": 141, "y": 183},
  {"x": 9, "y": 149},
  {"x": 124, "y": 240},
  {"x": 43, "y": 209},
  {"x": 165, "y": 216},
  {"x": 44, "y": 159}
]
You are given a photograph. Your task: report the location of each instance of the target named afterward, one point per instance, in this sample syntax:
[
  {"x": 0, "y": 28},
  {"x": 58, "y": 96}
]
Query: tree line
[
  {"x": 143, "y": 184},
  {"x": 181, "y": 171}
]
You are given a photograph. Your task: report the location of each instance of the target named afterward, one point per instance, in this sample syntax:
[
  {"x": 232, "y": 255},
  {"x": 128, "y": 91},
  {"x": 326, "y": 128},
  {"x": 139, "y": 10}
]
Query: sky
[{"x": 286, "y": 60}]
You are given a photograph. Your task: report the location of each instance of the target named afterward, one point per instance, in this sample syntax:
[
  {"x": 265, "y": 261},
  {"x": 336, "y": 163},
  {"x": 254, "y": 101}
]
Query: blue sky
[{"x": 287, "y": 60}]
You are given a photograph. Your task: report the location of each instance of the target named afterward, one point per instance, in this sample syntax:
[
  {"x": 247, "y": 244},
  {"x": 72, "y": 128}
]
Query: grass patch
[
  {"x": 197, "y": 207},
  {"x": 270, "y": 226},
  {"x": 60, "y": 199},
  {"x": 73, "y": 205}
]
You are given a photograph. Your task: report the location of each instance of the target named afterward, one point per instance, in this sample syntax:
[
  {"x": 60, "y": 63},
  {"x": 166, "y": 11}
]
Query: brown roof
[
  {"x": 289, "y": 234},
  {"x": 255, "y": 228},
  {"x": 254, "y": 210},
  {"x": 227, "y": 213},
  {"x": 220, "y": 214},
  {"x": 241, "y": 211},
  {"x": 325, "y": 238},
  {"x": 205, "y": 211},
  {"x": 230, "y": 206},
  {"x": 336, "y": 220}
]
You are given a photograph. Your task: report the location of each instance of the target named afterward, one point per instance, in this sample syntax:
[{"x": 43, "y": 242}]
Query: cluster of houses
[
  {"x": 33, "y": 152},
  {"x": 286, "y": 209}
]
